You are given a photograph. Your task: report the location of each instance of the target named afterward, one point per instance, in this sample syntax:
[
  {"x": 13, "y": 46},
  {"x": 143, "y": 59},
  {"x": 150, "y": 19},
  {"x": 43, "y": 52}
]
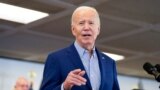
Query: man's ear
[
  {"x": 98, "y": 30},
  {"x": 73, "y": 31},
  {"x": 15, "y": 86}
]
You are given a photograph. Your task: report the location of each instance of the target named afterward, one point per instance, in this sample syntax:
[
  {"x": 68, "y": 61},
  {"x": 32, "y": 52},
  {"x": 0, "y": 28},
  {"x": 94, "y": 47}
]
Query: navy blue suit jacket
[{"x": 60, "y": 63}]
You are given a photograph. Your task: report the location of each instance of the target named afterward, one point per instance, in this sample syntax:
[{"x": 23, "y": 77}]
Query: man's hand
[{"x": 74, "y": 78}]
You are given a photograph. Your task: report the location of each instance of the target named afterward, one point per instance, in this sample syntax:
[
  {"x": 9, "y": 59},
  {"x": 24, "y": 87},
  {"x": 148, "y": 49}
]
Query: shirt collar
[{"x": 81, "y": 50}]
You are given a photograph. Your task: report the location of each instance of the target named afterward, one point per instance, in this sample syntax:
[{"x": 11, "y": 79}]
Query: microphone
[
  {"x": 158, "y": 67},
  {"x": 151, "y": 70}
]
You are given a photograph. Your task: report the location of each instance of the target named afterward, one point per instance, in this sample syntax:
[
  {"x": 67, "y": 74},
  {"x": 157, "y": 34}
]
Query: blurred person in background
[{"x": 22, "y": 84}]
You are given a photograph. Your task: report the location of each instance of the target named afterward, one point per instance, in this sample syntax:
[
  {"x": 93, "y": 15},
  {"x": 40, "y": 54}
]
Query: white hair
[{"x": 82, "y": 8}]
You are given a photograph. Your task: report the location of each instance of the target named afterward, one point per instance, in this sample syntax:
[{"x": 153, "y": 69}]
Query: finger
[
  {"x": 79, "y": 78},
  {"x": 83, "y": 79},
  {"x": 75, "y": 81},
  {"x": 82, "y": 73},
  {"x": 76, "y": 71}
]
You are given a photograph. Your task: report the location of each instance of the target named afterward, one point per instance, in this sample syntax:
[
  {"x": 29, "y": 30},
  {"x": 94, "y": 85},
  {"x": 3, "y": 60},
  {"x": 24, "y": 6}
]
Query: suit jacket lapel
[
  {"x": 101, "y": 60},
  {"x": 75, "y": 59}
]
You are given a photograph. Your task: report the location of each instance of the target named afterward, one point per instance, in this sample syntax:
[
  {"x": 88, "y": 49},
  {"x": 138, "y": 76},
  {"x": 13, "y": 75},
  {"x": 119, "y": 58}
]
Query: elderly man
[
  {"x": 81, "y": 66},
  {"x": 22, "y": 84}
]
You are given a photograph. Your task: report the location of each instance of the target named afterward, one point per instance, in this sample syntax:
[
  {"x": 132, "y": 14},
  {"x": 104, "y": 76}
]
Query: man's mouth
[{"x": 85, "y": 35}]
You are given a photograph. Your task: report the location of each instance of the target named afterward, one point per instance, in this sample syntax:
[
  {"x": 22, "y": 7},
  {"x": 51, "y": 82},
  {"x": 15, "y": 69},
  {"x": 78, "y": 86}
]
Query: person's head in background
[
  {"x": 85, "y": 25},
  {"x": 22, "y": 84}
]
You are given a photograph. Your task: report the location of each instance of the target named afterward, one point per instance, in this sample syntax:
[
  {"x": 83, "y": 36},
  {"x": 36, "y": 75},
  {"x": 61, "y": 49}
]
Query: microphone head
[
  {"x": 158, "y": 67},
  {"x": 152, "y": 70},
  {"x": 149, "y": 68}
]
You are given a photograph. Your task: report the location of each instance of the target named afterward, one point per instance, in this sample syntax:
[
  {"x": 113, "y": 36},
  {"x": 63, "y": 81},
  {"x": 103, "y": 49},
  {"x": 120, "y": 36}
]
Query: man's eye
[
  {"x": 91, "y": 23},
  {"x": 81, "y": 23}
]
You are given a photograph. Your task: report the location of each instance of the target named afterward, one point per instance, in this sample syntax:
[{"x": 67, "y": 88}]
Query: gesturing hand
[{"x": 74, "y": 77}]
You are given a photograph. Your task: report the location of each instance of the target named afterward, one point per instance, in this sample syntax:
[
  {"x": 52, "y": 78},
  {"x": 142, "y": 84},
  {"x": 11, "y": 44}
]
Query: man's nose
[{"x": 86, "y": 26}]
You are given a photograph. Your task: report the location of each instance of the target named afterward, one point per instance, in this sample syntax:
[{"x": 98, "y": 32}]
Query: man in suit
[{"x": 81, "y": 66}]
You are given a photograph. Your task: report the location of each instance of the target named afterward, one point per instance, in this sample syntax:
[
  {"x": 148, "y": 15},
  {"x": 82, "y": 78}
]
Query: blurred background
[{"x": 129, "y": 29}]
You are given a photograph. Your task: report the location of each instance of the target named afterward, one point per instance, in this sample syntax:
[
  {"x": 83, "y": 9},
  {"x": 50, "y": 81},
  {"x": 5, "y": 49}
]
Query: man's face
[
  {"x": 22, "y": 86},
  {"x": 86, "y": 27}
]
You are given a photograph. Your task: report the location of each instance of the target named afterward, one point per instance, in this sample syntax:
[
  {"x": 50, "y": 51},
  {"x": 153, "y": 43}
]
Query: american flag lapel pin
[{"x": 103, "y": 58}]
